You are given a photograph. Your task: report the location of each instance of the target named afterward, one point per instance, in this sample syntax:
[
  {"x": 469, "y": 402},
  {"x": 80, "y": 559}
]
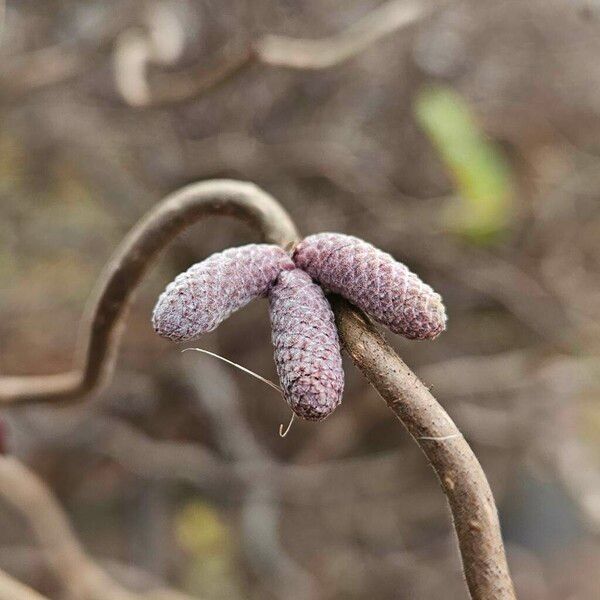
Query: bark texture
[{"x": 466, "y": 487}]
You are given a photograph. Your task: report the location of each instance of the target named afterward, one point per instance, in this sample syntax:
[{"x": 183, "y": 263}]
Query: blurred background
[{"x": 466, "y": 142}]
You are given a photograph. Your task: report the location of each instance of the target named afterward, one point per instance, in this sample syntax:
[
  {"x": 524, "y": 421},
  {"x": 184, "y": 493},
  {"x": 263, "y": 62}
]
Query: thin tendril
[
  {"x": 256, "y": 375},
  {"x": 287, "y": 429}
]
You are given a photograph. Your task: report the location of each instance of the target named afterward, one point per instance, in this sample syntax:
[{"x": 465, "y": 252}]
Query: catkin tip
[
  {"x": 306, "y": 346},
  {"x": 198, "y": 300},
  {"x": 375, "y": 282}
]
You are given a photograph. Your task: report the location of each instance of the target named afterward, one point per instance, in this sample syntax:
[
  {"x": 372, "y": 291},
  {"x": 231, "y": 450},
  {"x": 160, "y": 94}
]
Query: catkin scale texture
[
  {"x": 198, "y": 300},
  {"x": 307, "y": 347},
  {"x": 375, "y": 282}
]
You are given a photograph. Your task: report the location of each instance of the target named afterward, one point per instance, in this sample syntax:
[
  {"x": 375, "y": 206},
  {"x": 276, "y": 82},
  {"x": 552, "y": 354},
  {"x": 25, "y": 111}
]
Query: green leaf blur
[{"x": 481, "y": 174}]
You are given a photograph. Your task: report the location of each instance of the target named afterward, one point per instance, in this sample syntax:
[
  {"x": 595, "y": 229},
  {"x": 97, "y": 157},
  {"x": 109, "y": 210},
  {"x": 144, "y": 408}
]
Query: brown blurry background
[{"x": 467, "y": 144}]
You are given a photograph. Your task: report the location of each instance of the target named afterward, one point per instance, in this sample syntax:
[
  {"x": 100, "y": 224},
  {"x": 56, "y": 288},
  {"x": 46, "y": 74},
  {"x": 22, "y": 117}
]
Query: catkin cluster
[{"x": 305, "y": 339}]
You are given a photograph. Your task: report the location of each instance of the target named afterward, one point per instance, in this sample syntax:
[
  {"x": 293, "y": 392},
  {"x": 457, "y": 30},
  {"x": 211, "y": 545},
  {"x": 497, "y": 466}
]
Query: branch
[
  {"x": 11, "y": 589},
  {"x": 78, "y": 573},
  {"x": 132, "y": 57},
  {"x": 125, "y": 270},
  {"x": 328, "y": 52},
  {"x": 2, "y": 18},
  {"x": 178, "y": 462},
  {"x": 460, "y": 473}
]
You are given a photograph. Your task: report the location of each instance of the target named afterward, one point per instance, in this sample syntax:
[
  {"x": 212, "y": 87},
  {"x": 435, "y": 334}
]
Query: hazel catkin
[
  {"x": 374, "y": 281},
  {"x": 307, "y": 347},
  {"x": 198, "y": 300}
]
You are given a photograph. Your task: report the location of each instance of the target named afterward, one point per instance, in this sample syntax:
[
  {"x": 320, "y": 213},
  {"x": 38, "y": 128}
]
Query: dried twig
[
  {"x": 462, "y": 478},
  {"x": 271, "y": 50},
  {"x": 178, "y": 462},
  {"x": 2, "y": 18},
  {"x": 77, "y": 572},
  {"x": 11, "y": 589},
  {"x": 162, "y": 42},
  {"x": 127, "y": 267}
]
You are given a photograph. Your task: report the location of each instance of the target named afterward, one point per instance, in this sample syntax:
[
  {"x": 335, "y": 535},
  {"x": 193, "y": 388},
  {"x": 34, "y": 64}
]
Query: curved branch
[
  {"x": 78, "y": 573},
  {"x": 462, "y": 478},
  {"x": 314, "y": 55},
  {"x": 11, "y": 589},
  {"x": 125, "y": 270},
  {"x": 269, "y": 50}
]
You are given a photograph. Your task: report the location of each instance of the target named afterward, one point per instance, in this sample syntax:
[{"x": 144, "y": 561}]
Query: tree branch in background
[
  {"x": 193, "y": 464},
  {"x": 135, "y": 51},
  {"x": 262, "y": 497},
  {"x": 11, "y": 589},
  {"x": 279, "y": 51},
  {"x": 2, "y": 18},
  {"x": 78, "y": 574},
  {"x": 461, "y": 475}
]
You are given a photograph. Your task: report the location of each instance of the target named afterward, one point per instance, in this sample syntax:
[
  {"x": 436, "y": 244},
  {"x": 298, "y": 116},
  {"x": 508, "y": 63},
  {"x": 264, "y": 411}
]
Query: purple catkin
[
  {"x": 307, "y": 347},
  {"x": 375, "y": 282},
  {"x": 198, "y": 300}
]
